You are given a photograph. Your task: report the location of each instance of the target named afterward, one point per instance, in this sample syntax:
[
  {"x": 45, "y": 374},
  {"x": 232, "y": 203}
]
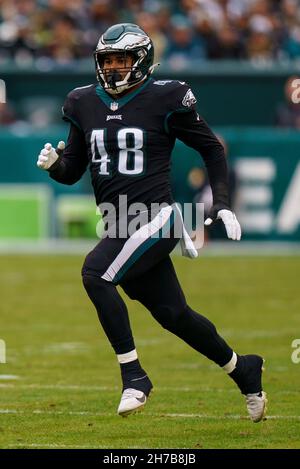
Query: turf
[{"x": 68, "y": 384}]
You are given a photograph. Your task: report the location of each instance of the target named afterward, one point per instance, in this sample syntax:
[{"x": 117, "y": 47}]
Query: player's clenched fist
[{"x": 49, "y": 155}]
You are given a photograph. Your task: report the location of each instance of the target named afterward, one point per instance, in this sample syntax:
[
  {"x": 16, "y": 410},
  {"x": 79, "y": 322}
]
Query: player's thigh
[
  {"x": 102, "y": 256},
  {"x": 117, "y": 259},
  {"x": 147, "y": 258},
  {"x": 145, "y": 247},
  {"x": 122, "y": 259},
  {"x": 157, "y": 287}
]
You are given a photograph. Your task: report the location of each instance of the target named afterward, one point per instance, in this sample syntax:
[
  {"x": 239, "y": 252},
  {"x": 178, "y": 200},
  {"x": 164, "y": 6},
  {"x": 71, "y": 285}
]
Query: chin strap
[{"x": 113, "y": 78}]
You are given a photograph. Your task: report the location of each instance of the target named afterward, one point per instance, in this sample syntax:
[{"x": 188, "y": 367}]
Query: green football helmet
[{"x": 124, "y": 38}]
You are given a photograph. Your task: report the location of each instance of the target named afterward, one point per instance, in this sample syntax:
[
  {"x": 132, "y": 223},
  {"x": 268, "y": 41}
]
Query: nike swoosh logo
[
  {"x": 141, "y": 399},
  {"x": 137, "y": 379}
]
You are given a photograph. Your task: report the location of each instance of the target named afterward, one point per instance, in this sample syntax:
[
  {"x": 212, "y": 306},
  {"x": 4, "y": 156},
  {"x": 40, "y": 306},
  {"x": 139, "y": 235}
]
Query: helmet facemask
[{"x": 117, "y": 80}]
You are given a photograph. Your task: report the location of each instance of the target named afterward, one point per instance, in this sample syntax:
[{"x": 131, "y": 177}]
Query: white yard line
[
  {"x": 72, "y": 387},
  {"x": 54, "y": 445},
  {"x": 169, "y": 415},
  {"x": 76, "y": 387},
  {"x": 8, "y": 377}
]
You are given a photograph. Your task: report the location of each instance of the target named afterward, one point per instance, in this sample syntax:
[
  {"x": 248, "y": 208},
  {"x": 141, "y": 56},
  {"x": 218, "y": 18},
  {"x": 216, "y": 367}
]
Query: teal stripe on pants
[{"x": 144, "y": 247}]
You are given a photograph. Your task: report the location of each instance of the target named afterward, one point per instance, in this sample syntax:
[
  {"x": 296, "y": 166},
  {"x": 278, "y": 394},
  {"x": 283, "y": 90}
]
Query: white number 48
[{"x": 130, "y": 157}]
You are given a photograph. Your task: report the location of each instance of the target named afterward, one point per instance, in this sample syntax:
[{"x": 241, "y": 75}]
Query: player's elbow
[{"x": 71, "y": 181}]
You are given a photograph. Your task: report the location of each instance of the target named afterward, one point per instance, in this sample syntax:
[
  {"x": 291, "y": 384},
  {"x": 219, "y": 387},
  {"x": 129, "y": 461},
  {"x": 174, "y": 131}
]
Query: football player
[{"x": 124, "y": 128}]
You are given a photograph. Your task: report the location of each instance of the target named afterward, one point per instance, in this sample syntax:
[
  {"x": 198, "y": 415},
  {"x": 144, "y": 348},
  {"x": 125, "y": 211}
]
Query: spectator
[
  {"x": 184, "y": 47},
  {"x": 64, "y": 45},
  {"x": 291, "y": 45},
  {"x": 260, "y": 45},
  {"x": 7, "y": 114},
  {"x": 147, "y": 22}
]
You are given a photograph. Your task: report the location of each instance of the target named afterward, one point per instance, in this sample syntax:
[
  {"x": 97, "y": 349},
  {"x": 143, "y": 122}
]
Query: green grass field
[{"x": 64, "y": 386}]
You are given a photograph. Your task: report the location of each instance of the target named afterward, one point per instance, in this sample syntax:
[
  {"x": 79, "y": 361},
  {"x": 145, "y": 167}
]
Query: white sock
[
  {"x": 127, "y": 357},
  {"x": 230, "y": 366}
]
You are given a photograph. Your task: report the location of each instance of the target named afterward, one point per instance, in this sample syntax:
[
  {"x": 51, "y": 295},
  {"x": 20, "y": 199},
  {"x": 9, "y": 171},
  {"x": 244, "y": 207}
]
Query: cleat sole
[{"x": 133, "y": 411}]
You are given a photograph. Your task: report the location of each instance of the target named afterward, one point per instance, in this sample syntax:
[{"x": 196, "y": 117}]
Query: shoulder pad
[
  {"x": 77, "y": 93},
  {"x": 177, "y": 95},
  {"x": 71, "y": 108}
]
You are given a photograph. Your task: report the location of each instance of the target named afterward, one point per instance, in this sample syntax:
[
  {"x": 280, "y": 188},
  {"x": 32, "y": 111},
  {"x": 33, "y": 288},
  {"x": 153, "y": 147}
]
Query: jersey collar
[{"x": 110, "y": 102}]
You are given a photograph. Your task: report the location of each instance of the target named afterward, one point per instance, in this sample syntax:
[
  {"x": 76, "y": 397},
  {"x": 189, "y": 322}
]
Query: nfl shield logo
[{"x": 114, "y": 106}]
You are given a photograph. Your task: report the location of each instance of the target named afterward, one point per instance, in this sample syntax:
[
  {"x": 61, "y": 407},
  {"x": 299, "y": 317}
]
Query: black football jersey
[{"x": 127, "y": 142}]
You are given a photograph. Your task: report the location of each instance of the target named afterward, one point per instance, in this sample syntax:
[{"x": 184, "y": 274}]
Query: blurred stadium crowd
[
  {"x": 56, "y": 34},
  {"x": 56, "y": 31}
]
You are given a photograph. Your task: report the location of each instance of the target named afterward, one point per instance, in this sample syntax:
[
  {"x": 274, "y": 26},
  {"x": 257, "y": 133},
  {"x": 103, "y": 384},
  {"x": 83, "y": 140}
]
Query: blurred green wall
[
  {"x": 228, "y": 93},
  {"x": 266, "y": 162}
]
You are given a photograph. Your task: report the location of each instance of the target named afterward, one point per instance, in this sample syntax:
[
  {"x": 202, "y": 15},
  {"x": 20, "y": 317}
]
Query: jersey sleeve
[
  {"x": 180, "y": 99},
  {"x": 192, "y": 130},
  {"x": 69, "y": 110},
  {"x": 70, "y": 167}
]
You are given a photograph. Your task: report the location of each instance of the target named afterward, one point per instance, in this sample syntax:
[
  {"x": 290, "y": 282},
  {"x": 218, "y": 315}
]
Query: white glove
[
  {"x": 49, "y": 155},
  {"x": 233, "y": 228}
]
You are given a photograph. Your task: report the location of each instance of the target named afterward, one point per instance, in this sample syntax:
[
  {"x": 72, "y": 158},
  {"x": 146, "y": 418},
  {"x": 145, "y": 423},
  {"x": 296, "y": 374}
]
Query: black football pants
[{"x": 144, "y": 270}]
